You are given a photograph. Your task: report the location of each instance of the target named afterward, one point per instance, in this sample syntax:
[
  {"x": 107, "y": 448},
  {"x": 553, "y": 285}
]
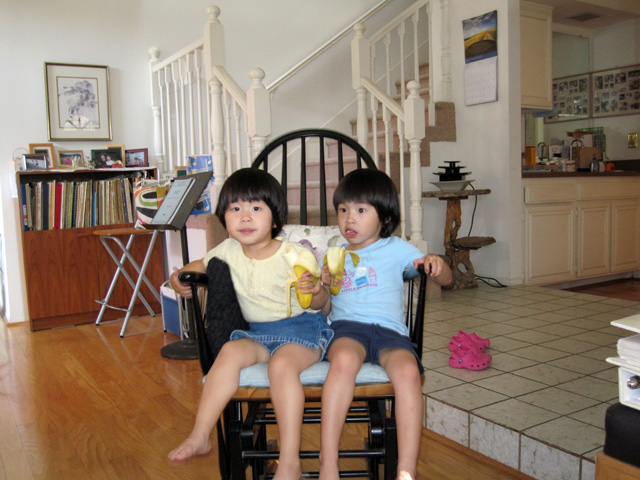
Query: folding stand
[
  {"x": 112, "y": 234},
  {"x": 172, "y": 215}
]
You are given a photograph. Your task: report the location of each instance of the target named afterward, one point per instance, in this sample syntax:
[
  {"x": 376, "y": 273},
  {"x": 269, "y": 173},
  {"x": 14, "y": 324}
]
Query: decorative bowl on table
[{"x": 452, "y": 185}]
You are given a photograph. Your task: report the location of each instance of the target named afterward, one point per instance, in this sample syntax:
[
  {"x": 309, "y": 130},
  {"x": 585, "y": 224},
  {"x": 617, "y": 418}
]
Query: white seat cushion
[{"x": 256, "y": 375}]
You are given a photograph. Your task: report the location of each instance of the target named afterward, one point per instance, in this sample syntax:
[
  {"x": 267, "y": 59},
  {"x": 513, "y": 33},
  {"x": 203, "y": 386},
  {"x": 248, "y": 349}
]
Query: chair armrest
[
  {"x": 197, "y": 278},
  {"x": 415, "y": 322}
]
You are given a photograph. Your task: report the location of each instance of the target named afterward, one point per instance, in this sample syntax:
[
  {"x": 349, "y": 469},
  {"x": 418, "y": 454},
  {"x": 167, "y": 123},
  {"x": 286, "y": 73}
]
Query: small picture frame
[
  {"x": 107, "y": 158},
  {"x": 34, "y": 161},
  {"x": 136, "y": 158},
  {"x": 45, "y": 149},
  {"x": 113, "y": 148},
  {"x": 70, "y": 159}
]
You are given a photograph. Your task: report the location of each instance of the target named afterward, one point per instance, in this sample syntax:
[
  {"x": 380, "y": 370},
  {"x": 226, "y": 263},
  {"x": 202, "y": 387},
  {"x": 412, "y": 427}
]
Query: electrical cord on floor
[{"x": 487, "y": 280}]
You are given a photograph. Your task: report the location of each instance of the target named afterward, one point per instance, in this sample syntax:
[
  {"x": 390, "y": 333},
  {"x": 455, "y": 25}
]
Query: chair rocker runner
[{"x": 242, "y": 430}]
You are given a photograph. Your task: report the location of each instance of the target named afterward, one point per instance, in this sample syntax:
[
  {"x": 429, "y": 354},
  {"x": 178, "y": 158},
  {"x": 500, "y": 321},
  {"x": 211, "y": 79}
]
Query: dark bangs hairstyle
[
  {"x": 251, "y": 185},
  {"x": 374, "y": 187}
]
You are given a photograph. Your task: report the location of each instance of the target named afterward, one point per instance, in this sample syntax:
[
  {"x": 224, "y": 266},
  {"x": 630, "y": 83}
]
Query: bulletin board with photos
[
  {"x": 616, "y": 91},
  {"x": 598, "y": 94},
  {"x": 571, "y": 97}
]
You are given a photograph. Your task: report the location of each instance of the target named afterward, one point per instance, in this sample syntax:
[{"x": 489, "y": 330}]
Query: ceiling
[{"x": 609, "y": 12}]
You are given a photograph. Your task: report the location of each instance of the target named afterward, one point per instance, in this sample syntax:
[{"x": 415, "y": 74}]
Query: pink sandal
[
  {"x": 469, "y": 358},
  {"x": 468, "y": 341}
]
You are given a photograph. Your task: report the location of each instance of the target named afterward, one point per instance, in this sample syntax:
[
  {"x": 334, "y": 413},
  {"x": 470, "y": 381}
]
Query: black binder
[{"x": 179, "y": 202}]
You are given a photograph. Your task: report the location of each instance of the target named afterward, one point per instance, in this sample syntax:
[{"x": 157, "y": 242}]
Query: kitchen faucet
[
  {"x": 542, "y": 157},
  {"x": 571, "y": 147}
]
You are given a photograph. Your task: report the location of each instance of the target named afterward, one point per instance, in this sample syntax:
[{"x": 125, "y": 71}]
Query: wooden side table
[{"x": 457, "y": 249}]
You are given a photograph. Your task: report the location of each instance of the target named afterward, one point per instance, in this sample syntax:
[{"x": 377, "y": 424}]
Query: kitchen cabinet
[
  {"x": 580, "y": 227},
  {"x": 549, "y": 242},
  {"x": 535, "y": 56},
  {"x": 593, "y": 239},
  {"x": 625, "y": 247}
]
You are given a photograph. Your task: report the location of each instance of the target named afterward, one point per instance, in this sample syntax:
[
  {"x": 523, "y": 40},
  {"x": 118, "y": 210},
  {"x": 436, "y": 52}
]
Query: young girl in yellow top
[{"x": 252, "y": 207}]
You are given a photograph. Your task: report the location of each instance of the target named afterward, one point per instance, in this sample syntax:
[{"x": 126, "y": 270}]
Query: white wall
[
  {"x": 488, "y": 144},
  {"x": 119, "y": 33}
]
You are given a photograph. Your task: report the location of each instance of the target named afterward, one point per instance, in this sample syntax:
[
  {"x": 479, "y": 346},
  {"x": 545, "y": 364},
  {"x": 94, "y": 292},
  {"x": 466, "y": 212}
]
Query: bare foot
[
  {"x": 329, "y": 472},
  {"x": 190, "y": 447},
  {"x": 287, "y": 471}
]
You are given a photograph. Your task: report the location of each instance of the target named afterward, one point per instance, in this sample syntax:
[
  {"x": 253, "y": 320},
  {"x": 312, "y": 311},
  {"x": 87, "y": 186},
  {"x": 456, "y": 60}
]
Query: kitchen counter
[{"x": 538, "y": 174}]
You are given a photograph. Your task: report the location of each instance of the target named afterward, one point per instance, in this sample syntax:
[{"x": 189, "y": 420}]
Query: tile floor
[{"x": 540, "y": 406}]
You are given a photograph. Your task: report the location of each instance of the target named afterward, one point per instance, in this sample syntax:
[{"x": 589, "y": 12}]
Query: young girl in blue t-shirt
[
  {"x": 367, "y": 315},
  {"x": 253, "y": 209}
]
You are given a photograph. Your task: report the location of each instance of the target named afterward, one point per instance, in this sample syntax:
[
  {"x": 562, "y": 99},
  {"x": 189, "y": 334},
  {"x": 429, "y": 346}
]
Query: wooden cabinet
[
  {"x": 549, "y": 243},
  {"x": 625, "y": 232},
  {"x": 535, "y": 56},
  {"x": 580, "y": 227},
  {"x": 67, "y": 270}
]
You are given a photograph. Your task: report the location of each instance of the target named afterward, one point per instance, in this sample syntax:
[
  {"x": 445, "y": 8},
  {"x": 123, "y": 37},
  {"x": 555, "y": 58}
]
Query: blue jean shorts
[
  {"x": 374, "y": 339},
  {"x": 308, "y": 329}
]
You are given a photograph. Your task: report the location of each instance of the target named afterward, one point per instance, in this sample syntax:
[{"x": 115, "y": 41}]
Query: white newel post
[
  {"x": 213, "y": 53},
  {"x": 360, "y": 54},
  {"x": 158, "y": 153},
  {"x": 258, "y": 112},
  {"x": 415, "y": 132}
]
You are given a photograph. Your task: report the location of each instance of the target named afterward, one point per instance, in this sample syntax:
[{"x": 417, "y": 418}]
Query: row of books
[{"x": 50, "y": 205}]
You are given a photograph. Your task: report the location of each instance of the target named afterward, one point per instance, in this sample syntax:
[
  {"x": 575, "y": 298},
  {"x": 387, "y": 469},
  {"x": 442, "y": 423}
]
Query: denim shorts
[
  {"x": 374, "y": 339},
  {"x": 308, "y": 329}
]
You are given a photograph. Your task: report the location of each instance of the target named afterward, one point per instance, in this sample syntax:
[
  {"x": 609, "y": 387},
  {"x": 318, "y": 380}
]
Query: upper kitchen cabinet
[{"x": 535, "y": 56}]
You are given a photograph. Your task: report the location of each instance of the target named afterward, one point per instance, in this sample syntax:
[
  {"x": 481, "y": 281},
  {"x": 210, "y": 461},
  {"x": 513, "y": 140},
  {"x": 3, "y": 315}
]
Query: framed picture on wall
[
  {"x": 77, "y": 101},
  {"x": 616, "y": 91},
  {"x": 45, "y": 149},
  {"x": 70, "y": 159},
  {"x": 136, "y": 158}
]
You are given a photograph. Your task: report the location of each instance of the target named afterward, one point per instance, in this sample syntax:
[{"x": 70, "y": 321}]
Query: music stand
[{"x": 172, "y": 215}]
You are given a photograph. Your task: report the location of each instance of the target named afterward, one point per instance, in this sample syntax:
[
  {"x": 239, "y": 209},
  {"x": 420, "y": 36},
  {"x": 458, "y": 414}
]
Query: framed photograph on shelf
[
  {"x": 107, "y": 158},
  {"x": 120, "y": 148},
  {"x": 70, "y": 159},
  {"x": 34, "y": 161},
  {"x": 77, "y": 101},
  {"x": 45, "y": 149},
  {"x": 571, "y": 98},
  {"x": 616, "y": 91},
  {"x": 138, "y": 157}
]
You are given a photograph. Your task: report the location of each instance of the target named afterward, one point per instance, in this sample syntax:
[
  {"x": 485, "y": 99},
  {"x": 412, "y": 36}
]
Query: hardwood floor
[
  {"x": 626, "y": 289},
  {"x": 81, "y": 402}
]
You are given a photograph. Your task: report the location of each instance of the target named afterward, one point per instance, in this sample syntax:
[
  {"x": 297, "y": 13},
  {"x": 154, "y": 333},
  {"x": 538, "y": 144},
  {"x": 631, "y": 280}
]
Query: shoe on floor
[
  {"x": 468, "y": 340},
  {"x": 470, "y": 358}
]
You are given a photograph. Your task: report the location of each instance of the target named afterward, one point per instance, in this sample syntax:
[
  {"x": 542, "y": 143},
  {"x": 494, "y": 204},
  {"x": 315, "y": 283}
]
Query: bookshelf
[{"x": 66, "y": 267}]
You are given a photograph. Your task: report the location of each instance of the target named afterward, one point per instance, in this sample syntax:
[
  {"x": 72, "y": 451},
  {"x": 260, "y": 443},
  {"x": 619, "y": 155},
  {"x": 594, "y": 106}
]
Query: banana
[
  {"x": 334, "y": 258},
  {"x": 300, "y": 261}
]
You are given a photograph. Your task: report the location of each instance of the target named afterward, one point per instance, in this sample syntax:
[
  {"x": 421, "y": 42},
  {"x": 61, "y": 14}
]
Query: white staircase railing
[
  {"x": 396, "y": 52},
  {"x": 199, "y": 109}
]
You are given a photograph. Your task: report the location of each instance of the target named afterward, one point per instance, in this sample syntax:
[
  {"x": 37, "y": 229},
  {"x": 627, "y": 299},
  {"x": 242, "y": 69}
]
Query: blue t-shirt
[{"x": 373, "y": 292}]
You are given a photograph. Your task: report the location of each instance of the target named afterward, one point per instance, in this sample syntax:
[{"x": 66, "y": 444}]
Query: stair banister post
[
  {"x": 214, "y": 54},
  {"x": 415, "y": 131},
  {"x": 360, "y": 59},
  {"x": 158, "y": 156},
  {"x": 258, "y": 112}
]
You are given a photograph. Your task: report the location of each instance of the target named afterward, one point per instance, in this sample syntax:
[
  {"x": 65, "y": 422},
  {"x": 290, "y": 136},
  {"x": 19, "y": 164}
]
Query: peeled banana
[
  {"x": 334, "y": 258},
  {"x": 300, "y": 260}
]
